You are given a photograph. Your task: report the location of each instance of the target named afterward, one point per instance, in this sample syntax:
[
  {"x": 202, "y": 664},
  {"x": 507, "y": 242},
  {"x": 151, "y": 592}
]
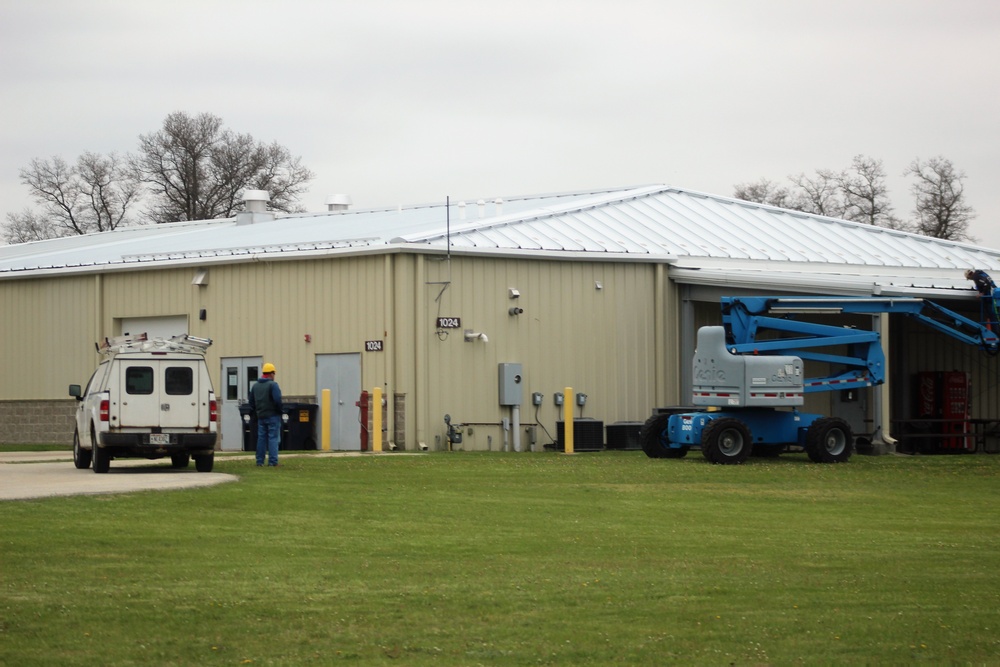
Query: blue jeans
[{"x": 268, "y": 437}]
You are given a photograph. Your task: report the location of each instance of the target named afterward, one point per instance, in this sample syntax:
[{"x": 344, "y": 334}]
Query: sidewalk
[{"x": 26, "y": 475}]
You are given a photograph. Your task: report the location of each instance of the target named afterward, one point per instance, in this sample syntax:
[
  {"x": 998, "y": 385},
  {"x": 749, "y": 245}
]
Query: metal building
[{"x": 601, "y": 291}]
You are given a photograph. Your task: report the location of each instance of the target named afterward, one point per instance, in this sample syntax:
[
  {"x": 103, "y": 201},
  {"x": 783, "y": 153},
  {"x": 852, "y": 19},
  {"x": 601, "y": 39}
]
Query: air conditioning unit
[
  {"x": 588, "y": 435},
  {"x": 624, "y": 435}
]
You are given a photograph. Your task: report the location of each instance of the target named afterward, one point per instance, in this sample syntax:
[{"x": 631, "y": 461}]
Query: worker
[
  {"x": 265, "y": 401},
  {"x": 988, "y": 294}
]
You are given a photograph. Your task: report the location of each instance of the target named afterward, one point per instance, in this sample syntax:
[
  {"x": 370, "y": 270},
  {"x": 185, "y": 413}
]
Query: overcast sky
[{"x": 410, "y": 101}]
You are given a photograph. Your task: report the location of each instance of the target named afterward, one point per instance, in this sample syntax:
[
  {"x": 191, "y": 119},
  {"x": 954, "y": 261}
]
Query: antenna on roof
[{"x": 447, "y": 218}]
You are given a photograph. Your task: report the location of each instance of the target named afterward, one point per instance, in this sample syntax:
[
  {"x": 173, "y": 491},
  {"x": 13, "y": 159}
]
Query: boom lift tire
[
  {"x": 829, "y": 440},
  {"x": 81, "y": 456},
  {"x": 654, "y": 444},
  {"x": 726, "y": 441}
]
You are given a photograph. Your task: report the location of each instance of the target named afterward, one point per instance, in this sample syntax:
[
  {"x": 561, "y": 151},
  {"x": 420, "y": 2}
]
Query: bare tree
[
  {"x": 866, "y": 196},
  {"x": 764, "y": 192},
  {"x": 94, "y": 195},
  {"x": 197, "y": 170},
  {"x": 820, "y": 195},
  {"x": 941, "y": 210}
]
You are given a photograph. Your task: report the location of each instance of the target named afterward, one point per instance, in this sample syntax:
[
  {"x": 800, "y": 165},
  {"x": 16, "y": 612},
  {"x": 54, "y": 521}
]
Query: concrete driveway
[{"x": 43, "y": 474}]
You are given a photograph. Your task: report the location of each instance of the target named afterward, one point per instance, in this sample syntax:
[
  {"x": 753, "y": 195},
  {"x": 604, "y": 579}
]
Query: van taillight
[
  {"x": 105, "y": 410},
  {"x": 213, "y": 411}
]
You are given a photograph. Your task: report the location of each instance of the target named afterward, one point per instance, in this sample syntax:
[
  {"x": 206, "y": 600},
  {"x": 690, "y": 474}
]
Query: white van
[{"x": 149, "y": 398}]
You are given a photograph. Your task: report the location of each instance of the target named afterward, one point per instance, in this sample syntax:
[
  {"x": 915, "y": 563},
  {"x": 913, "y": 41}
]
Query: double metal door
[{"x": 238, "y": 375}]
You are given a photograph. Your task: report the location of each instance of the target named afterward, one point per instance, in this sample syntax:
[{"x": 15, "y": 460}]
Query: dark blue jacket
[{"x": 265, "y": 398}]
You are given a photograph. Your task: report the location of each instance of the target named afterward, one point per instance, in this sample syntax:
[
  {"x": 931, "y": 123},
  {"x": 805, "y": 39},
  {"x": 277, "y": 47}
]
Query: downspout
[
  {"x": 660, "y": 369},
  {"x": 882, "y": 440},
  {"x": 421, "y": 381},
  {"x": 98, "y": 305},
  {"x": 387, "y": 357}
]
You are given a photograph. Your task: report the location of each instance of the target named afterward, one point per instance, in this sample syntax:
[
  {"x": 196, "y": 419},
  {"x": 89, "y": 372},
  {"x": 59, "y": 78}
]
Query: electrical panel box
[{"x": 511, "y": 389}]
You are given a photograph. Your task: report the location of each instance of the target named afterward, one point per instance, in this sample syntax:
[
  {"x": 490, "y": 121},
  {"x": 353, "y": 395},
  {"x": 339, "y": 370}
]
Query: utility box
[{"x": 511, "y": 389}]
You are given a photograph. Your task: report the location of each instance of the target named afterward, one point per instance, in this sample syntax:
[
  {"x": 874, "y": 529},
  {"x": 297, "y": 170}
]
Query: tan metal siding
[
  {"x": 597, "y": 341},
  {"x": 47, "y": 333}
]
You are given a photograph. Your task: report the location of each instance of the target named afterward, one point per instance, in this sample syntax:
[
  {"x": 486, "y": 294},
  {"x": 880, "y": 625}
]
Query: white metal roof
[{"x": 706, "y": 237}]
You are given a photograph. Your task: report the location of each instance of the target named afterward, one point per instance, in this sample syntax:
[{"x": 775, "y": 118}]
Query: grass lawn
[{"x": 515, "y": 559}]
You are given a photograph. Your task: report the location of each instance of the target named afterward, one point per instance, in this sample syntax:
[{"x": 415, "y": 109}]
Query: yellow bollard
[
  {"x": 377, "y": 419},
  {"x": 324, "y": 431},
  {"x": 568, "y": 419}
]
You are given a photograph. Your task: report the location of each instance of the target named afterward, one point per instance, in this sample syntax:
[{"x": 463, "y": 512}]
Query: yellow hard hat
[{"x": 268, "y": 368}]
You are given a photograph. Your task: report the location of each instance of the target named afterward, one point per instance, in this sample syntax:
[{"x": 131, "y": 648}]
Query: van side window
[
  {"x": 139, "y": 380},
  {"x": 178, "y": 381}
]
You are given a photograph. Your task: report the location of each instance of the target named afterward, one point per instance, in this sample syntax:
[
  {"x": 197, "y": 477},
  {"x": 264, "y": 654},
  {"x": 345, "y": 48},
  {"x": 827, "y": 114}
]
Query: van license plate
[{"x": 159, "y": 438}]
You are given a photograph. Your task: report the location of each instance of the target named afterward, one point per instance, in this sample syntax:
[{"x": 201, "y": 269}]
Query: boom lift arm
[{"x": 745, "y": 317}]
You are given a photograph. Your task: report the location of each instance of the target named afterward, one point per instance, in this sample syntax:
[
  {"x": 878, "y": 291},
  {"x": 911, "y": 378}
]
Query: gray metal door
[
  {"x": 238, "y": 374},
  {"x": 341, "y": 374}
]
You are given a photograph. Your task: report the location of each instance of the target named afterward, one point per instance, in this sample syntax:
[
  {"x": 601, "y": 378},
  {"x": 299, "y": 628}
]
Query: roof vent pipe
[
  {"x": 499, "y": 204},
  {"x": 461, "y": 210},
  {"x": 255, "y": 201},
  {"x": 482, "y": 208},
  {"x": 338, "y": 202}
]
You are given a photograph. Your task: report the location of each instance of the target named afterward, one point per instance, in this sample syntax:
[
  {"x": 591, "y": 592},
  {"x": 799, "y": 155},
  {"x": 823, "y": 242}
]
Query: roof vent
[
  {"x": 255, "y": 201},
  {"x": 254, "y": 208},
  {"x": 499, "y": 204},
  {"x": 338, "y": 202}
]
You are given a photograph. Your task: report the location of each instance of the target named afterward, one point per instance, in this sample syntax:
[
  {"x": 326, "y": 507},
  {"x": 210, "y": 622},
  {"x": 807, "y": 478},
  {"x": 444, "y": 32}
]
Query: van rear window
[
  {"x": 179, "y": 381},
  {"x": 139, "y": 380}
]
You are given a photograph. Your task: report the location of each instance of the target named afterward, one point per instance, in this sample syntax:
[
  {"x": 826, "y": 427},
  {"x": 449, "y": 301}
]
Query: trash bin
[
  {"x": 248, "y": 418},
  {"x": 298, "y": 425}
]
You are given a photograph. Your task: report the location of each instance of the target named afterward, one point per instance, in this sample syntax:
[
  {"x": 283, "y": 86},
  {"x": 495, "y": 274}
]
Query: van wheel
[
  {"x": 81, "y": 456},
  {"x": 180, "y": 460},
  {"x": 204, "y": 462},
  {"x": 102, "y": 459}
]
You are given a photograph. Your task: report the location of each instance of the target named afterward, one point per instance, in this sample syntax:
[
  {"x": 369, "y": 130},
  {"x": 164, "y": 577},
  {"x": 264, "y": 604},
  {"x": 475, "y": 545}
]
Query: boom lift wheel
[
  {"x": 726, "y": 440},
  {"x": 829, "y": 440},
  {"x": 654, "y": 440}
]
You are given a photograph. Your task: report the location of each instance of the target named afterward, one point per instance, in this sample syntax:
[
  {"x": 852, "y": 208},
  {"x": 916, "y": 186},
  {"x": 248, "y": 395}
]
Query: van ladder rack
[{"x": 142, "y": 343}]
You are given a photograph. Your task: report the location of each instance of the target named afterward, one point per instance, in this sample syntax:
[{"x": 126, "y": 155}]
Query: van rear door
[
  {"x": 139, "y": 382},
  {"x": 161, "y": 393},
  {"x": 179, "y": 394}
]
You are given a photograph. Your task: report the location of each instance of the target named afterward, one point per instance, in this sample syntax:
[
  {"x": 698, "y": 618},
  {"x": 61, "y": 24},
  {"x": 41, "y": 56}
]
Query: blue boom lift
[{"x": 752, "y": 387}]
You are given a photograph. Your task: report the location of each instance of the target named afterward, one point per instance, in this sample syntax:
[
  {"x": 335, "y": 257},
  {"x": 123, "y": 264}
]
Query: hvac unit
[
  {"x": 588, "y": 435},
  {"x": 624, "y": 435}
]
